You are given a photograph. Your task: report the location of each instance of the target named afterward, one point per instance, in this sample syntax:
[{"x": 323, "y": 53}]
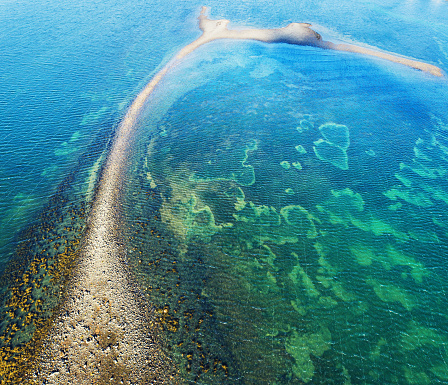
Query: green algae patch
[
  {"x": 327, "y": 302},
  {"x": 413, "y": 196},
  {"x": 421, "y": 154},
  {"x": 263, "y": 223},
  {"x": 186, "y": 212},
  {"x": 94, "y": 117},
  {"x": 398, "y": 258},
  {"x": 149, "y": 176},
  {"x": 330, "y": 153},
  {"x": 69, "y": 147},
  {"x": 423, "y": 235},
  {"x": 322, "y": 252},
  {"x": 376, "y": 353},
  {"x": 327, "y": 275},
  {"x": 333, "y": 148},
  {"x": 305, "y": 125},
  {"x": 92, "y": 176},
  {"x": 440, "y": 371},
  {"x": 300, "y": 149},
  {"x": 267, "y": 256},
  {"x": 289, "y": 191},
  {"x": 391, "y": 293},
  {"x": 404, "y": 180},
  {"x": 388, "y": 258},
  {"x": 298, "y": 307},
  {"x": 50, "y": 170},
  {"x": 379, "y": 227},
  {"x": 273, "y": 281},
  {"x": 263, "y": 215},
  {"x": 228, "y": 165},
  {"x": 236, "y": 193},
  {"x": 418, "y": 335},
  {"x": 436, "y": 192},
  {"x": 395, "y": 206},
  {"x": 424, "y": 171},
  {"x": 416, "y": 378},
  {"x": 339, "y": 291},
  {"x": 345, "y": 207},
  {"x": 341, "y": 206},
  {"x": 363, "y": 254},
  {"x": 189, "y": 217},
  {"x": 35, "y": 281},
  {"x": 201, "y": 222},
  {"x": 297, "y": 165},
  {"x": 300, "y": 219},
  {"x": 336, "y": 134},
  {"x": 285, "y": 164},
  {"x": 303, "y": 347},
  {"x": 299, "y": 277}
]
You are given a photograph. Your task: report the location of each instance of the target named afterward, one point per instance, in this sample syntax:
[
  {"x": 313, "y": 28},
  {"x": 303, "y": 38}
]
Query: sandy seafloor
[{"x": 285, "y": 208}]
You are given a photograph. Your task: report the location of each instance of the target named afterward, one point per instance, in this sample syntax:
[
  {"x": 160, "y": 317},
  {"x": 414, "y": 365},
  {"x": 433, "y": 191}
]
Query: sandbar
[
  {"x": 104, "y": 327},
  {"x": 297, "y": 34}
]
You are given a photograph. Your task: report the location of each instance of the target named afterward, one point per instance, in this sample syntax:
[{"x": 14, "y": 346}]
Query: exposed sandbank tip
[
  {"x": 436, "y": 71},
  {"x": 415, "y": 64},
  {"x": 297, "y": 34}
]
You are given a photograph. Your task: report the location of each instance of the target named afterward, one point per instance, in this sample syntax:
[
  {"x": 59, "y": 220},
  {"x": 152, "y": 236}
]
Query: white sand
[{"x": 299, "y": 34}]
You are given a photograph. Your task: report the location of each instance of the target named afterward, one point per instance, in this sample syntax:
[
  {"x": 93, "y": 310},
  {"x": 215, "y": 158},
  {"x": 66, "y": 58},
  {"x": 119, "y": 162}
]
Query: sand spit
[
  {"x": 298, "y": 34},
  {"x": 425, "y": 67},
  {"x": 105, "y": 334}
]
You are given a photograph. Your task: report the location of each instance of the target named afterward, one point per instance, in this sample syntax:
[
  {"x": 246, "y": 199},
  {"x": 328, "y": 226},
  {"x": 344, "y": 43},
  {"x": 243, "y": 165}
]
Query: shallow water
[
  {"x": 285, "y": 207},
  {"x": 316, "y": 263}
]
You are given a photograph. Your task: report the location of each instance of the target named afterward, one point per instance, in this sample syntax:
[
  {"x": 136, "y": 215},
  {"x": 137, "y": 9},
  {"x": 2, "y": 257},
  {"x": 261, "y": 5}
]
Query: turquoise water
[{"x": 285, "y": 207}]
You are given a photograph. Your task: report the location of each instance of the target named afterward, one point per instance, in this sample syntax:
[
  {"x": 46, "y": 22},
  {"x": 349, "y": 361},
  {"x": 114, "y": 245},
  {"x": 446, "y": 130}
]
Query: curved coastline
[{"x": 103, "y": 304}]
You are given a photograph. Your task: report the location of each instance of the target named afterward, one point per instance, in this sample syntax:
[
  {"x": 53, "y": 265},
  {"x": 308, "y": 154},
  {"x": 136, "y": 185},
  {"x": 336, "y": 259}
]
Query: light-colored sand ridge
[
  {"x": 104, "y": 332},
  {"x": 298, "y": 34}
]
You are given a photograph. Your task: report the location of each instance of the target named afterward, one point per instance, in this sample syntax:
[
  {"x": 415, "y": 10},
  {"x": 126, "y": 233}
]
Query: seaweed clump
[{"x": 35, "y": 282}]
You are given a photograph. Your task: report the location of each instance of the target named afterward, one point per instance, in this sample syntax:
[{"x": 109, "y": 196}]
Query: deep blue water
[{"x": 285, "y": 205}]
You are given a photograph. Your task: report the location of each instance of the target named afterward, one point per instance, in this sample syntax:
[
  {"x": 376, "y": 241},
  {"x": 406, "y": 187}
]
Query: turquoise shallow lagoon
[{"x": 285, "y": 207}]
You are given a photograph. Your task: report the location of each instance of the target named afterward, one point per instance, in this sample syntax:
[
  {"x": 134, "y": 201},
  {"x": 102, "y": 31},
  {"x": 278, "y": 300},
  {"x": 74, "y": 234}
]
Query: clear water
[{"x": 286, "y": 206}]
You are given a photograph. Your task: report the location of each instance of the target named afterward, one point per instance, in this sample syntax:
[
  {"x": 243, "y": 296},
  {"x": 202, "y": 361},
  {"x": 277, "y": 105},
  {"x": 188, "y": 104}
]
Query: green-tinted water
[
  {"x": 285, "y": 207},
  {"x": 285, "y": 243}
]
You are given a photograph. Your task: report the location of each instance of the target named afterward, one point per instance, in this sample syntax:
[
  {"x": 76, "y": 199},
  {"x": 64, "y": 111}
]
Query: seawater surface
[{"x": 285, "y": 207}]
